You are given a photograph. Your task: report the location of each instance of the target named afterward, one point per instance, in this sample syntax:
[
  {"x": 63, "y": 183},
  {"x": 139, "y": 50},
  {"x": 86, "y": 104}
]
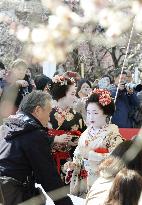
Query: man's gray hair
[{"x": 34, "y": 99}]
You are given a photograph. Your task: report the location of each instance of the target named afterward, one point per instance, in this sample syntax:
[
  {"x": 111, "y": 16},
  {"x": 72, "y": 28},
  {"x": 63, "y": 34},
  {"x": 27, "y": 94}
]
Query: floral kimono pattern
[
  {"x": 68, "y": 120},
  {"x": 93, "y": 147}
]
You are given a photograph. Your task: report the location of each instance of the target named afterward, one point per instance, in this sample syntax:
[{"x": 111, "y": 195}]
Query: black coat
[{"x": 25, "y": 150}]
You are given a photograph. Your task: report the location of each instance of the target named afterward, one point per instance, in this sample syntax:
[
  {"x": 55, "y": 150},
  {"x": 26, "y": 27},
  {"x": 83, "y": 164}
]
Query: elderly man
[{"x": 25, "y": 153}]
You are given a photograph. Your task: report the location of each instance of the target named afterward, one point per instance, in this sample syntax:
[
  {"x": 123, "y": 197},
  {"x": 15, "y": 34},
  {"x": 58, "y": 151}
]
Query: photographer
[
  {"x": 17, "y": 86},
  {"x": 126, "y": 101}
]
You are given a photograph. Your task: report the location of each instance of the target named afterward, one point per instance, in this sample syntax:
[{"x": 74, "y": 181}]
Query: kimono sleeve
[
  {"x": 77, "y": 159},
  {"x": 77, "y": 155},
  {"x": 113, "y": 140}
]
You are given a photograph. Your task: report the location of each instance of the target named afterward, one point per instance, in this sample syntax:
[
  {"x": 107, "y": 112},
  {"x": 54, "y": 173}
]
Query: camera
[
  {"x": 25, "y": 91},
  {"x": 130, "y": 86}
]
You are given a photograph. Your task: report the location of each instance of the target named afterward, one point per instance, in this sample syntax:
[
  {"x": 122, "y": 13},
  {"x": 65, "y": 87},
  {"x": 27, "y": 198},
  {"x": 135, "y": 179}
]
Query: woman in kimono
[
  {"x": 64, "y": 120},
  {"x": 95, "y": 144},
  {"x": 84, "y": 88}
]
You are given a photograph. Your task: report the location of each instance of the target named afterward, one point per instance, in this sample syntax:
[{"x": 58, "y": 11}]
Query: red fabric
[
  {"x": 83, "y": 174},
  {"x": 101, "y": 150},
  {"x": 58, "y": 156},
  {"x": 68, "y": 176},
  {"x": 53, "y": 132},
  {"x": 128, "y": 133}
]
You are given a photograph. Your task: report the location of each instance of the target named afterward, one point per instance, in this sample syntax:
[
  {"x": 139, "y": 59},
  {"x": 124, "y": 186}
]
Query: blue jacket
[{"x": 125, "y": 103}]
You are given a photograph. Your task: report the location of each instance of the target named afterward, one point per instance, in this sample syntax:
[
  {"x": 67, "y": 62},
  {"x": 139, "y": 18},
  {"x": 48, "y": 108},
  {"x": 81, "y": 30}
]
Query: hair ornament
[
  {"x": 73, "y": 75},
  {"x": 61, "y": 80},
  {"x": 104, "y": 96}
]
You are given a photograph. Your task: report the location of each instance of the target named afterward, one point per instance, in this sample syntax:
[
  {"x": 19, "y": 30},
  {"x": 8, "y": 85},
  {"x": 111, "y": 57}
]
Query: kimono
[
  {"x": 69, "y": 122},
  {"x": 94, "y": 146}
]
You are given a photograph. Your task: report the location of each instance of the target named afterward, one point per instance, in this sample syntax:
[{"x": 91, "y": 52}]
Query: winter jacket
[
  {"x": 125, "y": 103},
  {"x": 25, "y": 152},
  {"x": 139, "y": 95}
]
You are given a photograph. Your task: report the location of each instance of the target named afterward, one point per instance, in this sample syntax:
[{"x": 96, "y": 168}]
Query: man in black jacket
[{"x": 25, "y": 153}]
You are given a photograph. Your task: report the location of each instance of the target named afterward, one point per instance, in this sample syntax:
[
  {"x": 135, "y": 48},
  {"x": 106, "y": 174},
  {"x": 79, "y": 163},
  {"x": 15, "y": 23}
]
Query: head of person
[
  {"x": 126, "y": 188},
  {"x": 2, "y": 71},
  {"x": 125, "y": 155},
  {"x": 120, "y": 78},
  {"x": 43, "y": 83},
  {"x": 104, "y": 82},
  {"x": 100, "y": 107},
  {"x": 83, "y": 88},
  {"x": 18, "y": 69},
  {"x": 63, "y": 90},
  {"x": 38, "y": 104},
  {"x": 71, "y": 74},
  {"x": 29, "y": 73}
]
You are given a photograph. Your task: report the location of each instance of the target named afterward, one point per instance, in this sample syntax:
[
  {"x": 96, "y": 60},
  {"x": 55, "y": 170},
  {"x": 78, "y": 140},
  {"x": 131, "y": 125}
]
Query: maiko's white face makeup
[{"x": 95, "y": 116}]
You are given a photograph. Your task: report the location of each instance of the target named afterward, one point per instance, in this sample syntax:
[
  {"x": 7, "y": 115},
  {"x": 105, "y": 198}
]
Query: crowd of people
[{"x": 63, "y": 133}]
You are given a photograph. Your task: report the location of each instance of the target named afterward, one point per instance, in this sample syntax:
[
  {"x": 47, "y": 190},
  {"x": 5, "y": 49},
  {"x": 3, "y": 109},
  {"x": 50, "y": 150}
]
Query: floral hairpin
[
  {"x": 104, "y": 96},
  {"x": 61, "y": 80}
]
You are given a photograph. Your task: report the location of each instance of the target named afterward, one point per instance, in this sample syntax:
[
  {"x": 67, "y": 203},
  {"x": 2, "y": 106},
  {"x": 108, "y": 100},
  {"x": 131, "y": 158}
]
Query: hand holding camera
[{"x": 130, "y": 87}]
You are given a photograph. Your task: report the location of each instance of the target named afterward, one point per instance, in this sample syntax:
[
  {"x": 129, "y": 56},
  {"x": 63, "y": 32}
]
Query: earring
[{"x": 107, "y": 119}]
